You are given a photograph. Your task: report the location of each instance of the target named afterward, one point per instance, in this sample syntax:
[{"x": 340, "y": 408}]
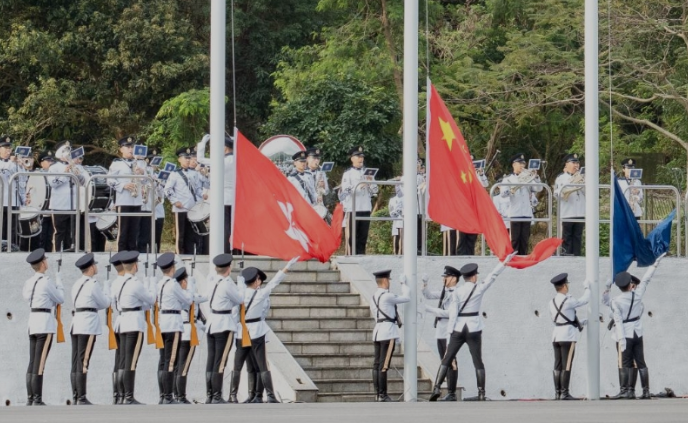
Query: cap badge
[
  {"x": 523, "y": 158},
  {"x": 360, "y": 149},
  {"x": 317, "y": 151},
  {"x": 130, "y": 139},
  {"x": 188, "y": 150},
  {"x": 67, "y": 143},
  {"x": 575, "y": 156},
  {"x": 630, "y": 161}
]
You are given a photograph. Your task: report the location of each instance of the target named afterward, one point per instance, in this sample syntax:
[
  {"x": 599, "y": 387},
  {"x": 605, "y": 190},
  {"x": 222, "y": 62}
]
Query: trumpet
[
  {"x": 525, "y": 177},
  {"x": 577, "y": 178}
]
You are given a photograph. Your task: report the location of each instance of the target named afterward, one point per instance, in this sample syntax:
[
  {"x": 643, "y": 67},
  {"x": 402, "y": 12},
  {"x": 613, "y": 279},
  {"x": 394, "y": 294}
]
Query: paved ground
[{"x": 656, "y": 411}]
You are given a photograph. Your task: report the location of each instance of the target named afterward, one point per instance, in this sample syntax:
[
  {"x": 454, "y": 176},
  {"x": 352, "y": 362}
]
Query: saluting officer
[
  {"x": 186, "y": 350},
  {"x": 627, "y": 309},
  {"x": 465, "y": 324},
  {"x": 88, "y": 298},
  {"x": 256, "y": 300},
  {"x": 302, "y": 181},
  {"x": 451, "y": 277},
  {"x": 43, "y": 295},
  {"x": 128, "y": 198},
  {"x": 565, "y": 334},
  {"x": 386, "y": 332},
  {"x": 132, "y": 297},
  {"x": 520, "y": 206},
  {"x": 363, "y": 193},
  {"x": 117, "y": 376},
  {"x": 224, "y": 296},
  {"x": 571, "y": 205}
]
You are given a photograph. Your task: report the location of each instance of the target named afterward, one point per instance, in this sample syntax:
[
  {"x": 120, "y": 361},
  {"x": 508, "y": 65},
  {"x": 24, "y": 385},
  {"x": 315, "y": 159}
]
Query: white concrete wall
[{"x": 517, "y": 348}]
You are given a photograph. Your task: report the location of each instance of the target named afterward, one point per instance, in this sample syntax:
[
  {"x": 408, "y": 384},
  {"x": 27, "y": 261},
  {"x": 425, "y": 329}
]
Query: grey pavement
[{"x": 655, "y": 411}]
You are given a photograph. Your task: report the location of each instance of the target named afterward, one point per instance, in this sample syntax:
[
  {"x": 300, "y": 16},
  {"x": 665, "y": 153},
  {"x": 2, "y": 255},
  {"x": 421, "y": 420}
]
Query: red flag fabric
[
  {"x": 271, "y": 218},
  {"x": 455, "y": 196}
]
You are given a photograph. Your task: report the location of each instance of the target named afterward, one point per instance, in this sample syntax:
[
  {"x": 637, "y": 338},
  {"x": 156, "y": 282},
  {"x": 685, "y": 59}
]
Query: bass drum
[
  {"x": 29, "y": 222},
  {"x": 199, "y": 218},
  {"x": 101, "y": 193},
  {"x": 39, "y": 192},
  {"x": 108, "y": 226}
]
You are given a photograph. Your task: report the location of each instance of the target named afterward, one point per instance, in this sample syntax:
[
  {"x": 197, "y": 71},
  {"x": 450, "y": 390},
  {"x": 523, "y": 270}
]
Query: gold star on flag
[
  {"x": 463, "y": 176},
  {"x": 447, "y": 132}
]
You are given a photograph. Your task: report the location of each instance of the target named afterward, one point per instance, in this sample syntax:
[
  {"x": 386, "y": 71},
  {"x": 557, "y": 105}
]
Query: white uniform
[
  {"x": 42, "y": 294},
  {"x": 566, "y": 332},
  {"x": 87, "y": 294},
  {"x": 223, "y": 296},
  {"x": 184, "y": 186},
  {"x": 621, "y": 304},
  {"x": 229, "y": 183},
  {"x": 520, "y": 202},
  {"x": 385, "y": 303},
  {"x": 441, "y": 312},
  {"x": 574, "y": 206},
  {"x": 130, "y": 293},
  {"x": 260, "y": 304},
  {"x": 125, "y": 167},
  {"x": 502, "y": 206},
  {"x": 461, "y": 294},
  {"x": 318, "y": 175},
  {"x": 350, "y": 179},
  {"x": 396, "y": 209},
  {"x": 634, "y": 199},
  {"x": 304, "y": 185},
  {"x": 63, "y": 190},
  {"x": 7, "y": 169},
  {"x": 172, "y": 298}
]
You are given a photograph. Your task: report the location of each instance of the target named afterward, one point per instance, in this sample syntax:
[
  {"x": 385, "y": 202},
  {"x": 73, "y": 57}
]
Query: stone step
[
  {"x": 331, "y": 299},
  {"x": 281, "y": 312},
  {"x": 357, "y": 386},
  {"x": 363, "y": 323},
  {"x": 397, "y": 396},
  {"x": 342, "y": 348},
  {"x": 314, "y": 361},
  {"x": 344, "y": 373},
  {"x": 271, "y": 264},
  {"x": 313, "y": 288},
  {"x": 327, "y": 335},
  {"x": 301, "y": 275}
]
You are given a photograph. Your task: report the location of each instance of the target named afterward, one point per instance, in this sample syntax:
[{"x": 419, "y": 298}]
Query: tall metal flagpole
[
  {"x": 592, "y": 201},
  {"x": 410, "y": 162},
  {"x": 218, "y": 12}
]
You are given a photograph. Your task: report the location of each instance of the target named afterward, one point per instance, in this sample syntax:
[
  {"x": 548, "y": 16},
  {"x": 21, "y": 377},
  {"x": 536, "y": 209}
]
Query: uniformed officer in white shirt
[
  {"x": 184, "y": 189},
  {"x": 467, "y": 241},
  {"x": 128, "y": 196},
  {"x": 186, "y": 350},
  {"x": 565, "y": 334},
  {"x": 451, "y": 277},
  {"x": 465, "y": 324},
  {"x": 386, "y": 331},
  {"x": 627, "y": 309},
  {"x": 245, "y": 355},
  {"x": 88, "y": 298},
  {"x": 7, "y": 169},
  {"x": 45, "y": 160},
  {"x": 223, "y": 296},
  {"x": 43, "y": 295},
  {"x": 364, "y": 206},
  {"x": 317, "y": 175},
  {"x": 117, "y": 375},
  {"x": 520, "y": 206},
  {"x": 396, "y": 207},
  {"x": 634, "y": 196},
  {"x": 144, "y": 243},
  {"x": 571, "y": 207},
  {"x": 133, "y": 297},
  {"x": 302, "y": 181}
]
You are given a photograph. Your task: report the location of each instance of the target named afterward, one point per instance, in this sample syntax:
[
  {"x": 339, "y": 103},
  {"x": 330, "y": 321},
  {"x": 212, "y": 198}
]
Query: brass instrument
[
  {"x": 525, "y": 177},
  {"x": 577, "y": 178},
  {"x": 26, "y": 163}
]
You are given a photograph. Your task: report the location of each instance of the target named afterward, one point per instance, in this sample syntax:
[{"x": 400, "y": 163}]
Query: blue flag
[{"x": 628, "y": 239}]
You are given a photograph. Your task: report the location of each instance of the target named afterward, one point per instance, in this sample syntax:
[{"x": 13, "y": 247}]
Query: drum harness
[{"x": 188, "y": 185}]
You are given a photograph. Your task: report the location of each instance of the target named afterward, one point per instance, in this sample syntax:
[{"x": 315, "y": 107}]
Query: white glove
[
  {"x": 659, "y": 259},
  {"x": 510, "y": 256},
  {"x": 402, "y": 279},
  {"x": 291, "y": 262},
  {"x": 425, "y": 278},
  {"x": 584, "y": 322},
  {"x": 622, "y": 344},
  {"x": 608, "y": 284},
  {"x": 586, "y": 284},
  {"x": 206, "y": 138}
]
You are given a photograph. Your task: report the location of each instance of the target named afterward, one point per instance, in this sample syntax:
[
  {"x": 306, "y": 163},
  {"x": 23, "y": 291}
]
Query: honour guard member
[
  {"x": 451, "y": 277},
  {"x": 571, "y": 204},
  {"x": 566, "y": 327},
  {"x": 132, "y": 297},
  {"x": 421, "y": 189},
  {"x": 45, "y": 160},
  {"x": 184, "y": 189},
  {"x": 128, "y": 198},
  {"x": 302, "y": 181},
  {"x": 465, "y": 324},
  {"x": 520, "y": 206},
  {"x": 42, "y": 295},
  {"x": 117, "y": 381},
  {"x": 363, "y": 194},
  {"x": 467, "y": 241},
  {"x": 88, "y": 298},
  {"x": 627, "y": 309},
  {"x": 173, "y": 297},
  {"x": 386, "y": 331},
  {"x": 634, "y": 196},
  {"x": 223, "y": 296},
  {"x": 186, "y": 350},
  {"x": 244, "y": 355},
  {"x": 166, "y": 263},
  {"x": 7, "y": 169}
]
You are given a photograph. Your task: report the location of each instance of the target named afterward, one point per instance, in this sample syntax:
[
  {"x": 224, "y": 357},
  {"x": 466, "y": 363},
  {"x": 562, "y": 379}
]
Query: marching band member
[
  {"x": 186, "y": 350},
  {"x": 363, "y": 194},
  {"x": 88, "y": 298},
  {"x": 302, "y": 181},
  {"x": 634, "y": 196},
  {"x": 451, "y": 277},
  {"x": 63, "y": 194},
  {"x": 144, "y": 243},
  {"x": 203, "y": 247},
  {"x": 520, "y": 206},
  {"x": 396, "y": 210},
  {"x": 8, "y": 168},
  {"x": 571, "y": 206},
  {"x": 467, "y": 241},
  {"x": 318, "y": 176},
  {"x": 42, "y": 295},
  {"x": 45, "y": 160},
  {"x": 421, "y": 188},
  {"x": 128, "y": 198}
]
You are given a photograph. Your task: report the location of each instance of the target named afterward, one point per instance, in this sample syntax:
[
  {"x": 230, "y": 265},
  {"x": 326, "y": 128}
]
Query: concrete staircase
[{"x": 328, "y": 330}]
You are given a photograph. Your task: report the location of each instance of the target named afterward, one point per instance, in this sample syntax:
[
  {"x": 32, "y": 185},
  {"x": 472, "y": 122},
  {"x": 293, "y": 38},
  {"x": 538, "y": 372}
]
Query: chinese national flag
[
  {"x": 271, "y": 218},
  {"x": 455, "y": 196}
]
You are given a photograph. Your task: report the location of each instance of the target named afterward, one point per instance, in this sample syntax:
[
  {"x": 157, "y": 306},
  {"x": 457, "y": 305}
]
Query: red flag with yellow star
[{"x": 456, "y": 197}]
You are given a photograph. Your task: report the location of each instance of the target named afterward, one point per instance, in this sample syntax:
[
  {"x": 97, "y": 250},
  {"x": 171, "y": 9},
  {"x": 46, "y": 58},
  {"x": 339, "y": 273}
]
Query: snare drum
[
  {"x": 39, "y": 191},
  {"x": 199, "y": 218},
  {"x": 108, "y": 226},
  {"x": 101, "y": 194},
  {"x": 29, "y": 222}
]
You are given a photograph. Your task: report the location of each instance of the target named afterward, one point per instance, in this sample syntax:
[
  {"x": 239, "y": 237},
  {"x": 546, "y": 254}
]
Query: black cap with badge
[
  {"x": 165, "y": 261},
  {"x": 560, "y": 279},
  {"x": 36, "y": 256},
  {"x": 520, "y": 157},
  {"x": 571, "y": 158},
  {"x": 223, "y": 260},
  {"x": 181, "y": 274},
  {"x": 85, "y": 261},
  {"x": 313, "y": 152},
  {"x": 128, "y": 257},
  {"x": 469, "y": 270},
  {"x": 229, "y": 142},
  {"x": 623, "y": 279},
  {"x": 127, "y": 141},
  {"x": 382, "y": 274},
  {"x": 46, "y": 155},
  {"x": 5, "y": 141},
  {"x": 356, "y": 151},
  {"x": 451, "y": 271},
  {"x": 184, "y": 151},
  {"x": 299, "y": 156},
  {"x": 250, "y": 274},
  {"x": 628, "y": 163},
  {"x": 116, "y": 259}
]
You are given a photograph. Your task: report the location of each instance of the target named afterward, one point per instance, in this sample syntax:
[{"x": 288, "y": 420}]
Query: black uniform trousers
[
  {"x": 384, "y": 351},
  {"x": 450, "y": 242},
  {"x": 82, "y": 348},
  {"x": 442, "y": 349},
  {"x": 563, "y": 355},
  {"x": 62, "y": 238},
  {"x": 398, "y": 242},
  {"x": 634, "y": 354},
  {"x": 39, "y": 347},
  {"x": 228, "y": 229},
  {"x": 244, "y": 355},
  {"x": 130, "y": 345},
  {"x": 143, "y": 239},
  {"x": 186, "y": 355},
  {"x": 171, "y": 344},
  {"x": 475, "y": 346},
  {"x": 260, "y": 354},
  {"x": 47, "y": 232},
  {"x": 187, "y": 238},
  {"x": 219, "y": 346},
  {"x": 362, "y": 228},
  {"x": 520, "y": 234},
  {"x": 97, "y": 239},
  {"x": 128, "y": 228},
  {"x": 572, "y": 233},
  {"x": 467, "y": 244}
]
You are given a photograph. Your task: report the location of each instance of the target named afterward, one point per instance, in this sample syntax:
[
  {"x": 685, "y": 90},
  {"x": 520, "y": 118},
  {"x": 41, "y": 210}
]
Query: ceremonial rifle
[
  {"x": 151, "y": 334},
  {"x": 112, "y": 340},
  {"x": 58, "y": 309}
]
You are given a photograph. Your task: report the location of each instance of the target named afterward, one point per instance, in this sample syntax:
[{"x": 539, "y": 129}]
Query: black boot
[
  {"x": 234, "y": 379},
  {"x": 452, "y": 379},
  {"x": 266, "y": 377},
  {"x": 168, "y": 387},
  {"x": 81, "y": 389},
  {"x": 258, "y": 398},
  {"x": 129, "y": 377},
  {"x": 441, "y": 375},
  {"x": 115, "y": 390},
  {"x": 120, "y": 385},
  {"x": 382, "y": 380},
  {"x": 557, "y": 384},
  {"x": 217, "y": 380},
  {"x": 181, "y": 390},
  {"x": 37, "y": 389},
  {"x": 632, "y": 382},
  {"x": 645, "y": 383},
  {"x": 624, "y": 376},
  {"x": 480, "y": 379},
  {"x": 565, "y": 381},
  {"x": 208, "y": 387},
  {"x": 376, "y": 384},
  {"x": 29, "y": 390},
  {"x": 72, "y": 380},
  {"x": 161, "y": 386}
]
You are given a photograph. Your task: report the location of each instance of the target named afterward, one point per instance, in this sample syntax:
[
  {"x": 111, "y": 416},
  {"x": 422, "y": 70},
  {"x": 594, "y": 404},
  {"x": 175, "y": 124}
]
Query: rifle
[
  {"x": 112, "y": 340},
  {"x": 150, "y": 334},
  {"x": 192, "y": 310},
  {"x": 245, "y": 335},
  {"x": 159, "y": 344},
  {"x": 58, "y": 310}
]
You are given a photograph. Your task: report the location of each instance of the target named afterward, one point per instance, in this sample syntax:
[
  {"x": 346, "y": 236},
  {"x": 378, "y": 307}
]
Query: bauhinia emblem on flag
[
  {"x": 456, "y": 197},
  {"x": 271, "y": 218}
]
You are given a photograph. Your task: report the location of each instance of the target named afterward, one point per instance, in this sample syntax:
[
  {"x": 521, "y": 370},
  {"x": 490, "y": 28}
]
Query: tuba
[{"x": 577, "y": 178}]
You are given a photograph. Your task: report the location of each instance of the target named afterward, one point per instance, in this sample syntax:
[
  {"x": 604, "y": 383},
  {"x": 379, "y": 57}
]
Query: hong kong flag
[{"x": 271, "y": 218}]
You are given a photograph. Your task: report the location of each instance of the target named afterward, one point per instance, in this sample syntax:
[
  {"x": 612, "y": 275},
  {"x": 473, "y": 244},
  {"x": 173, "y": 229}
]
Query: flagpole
[
  {"x": 410, "y": 162},
  {"x": 592, "y": 200},
  {"x": 218, "y": 11}
]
